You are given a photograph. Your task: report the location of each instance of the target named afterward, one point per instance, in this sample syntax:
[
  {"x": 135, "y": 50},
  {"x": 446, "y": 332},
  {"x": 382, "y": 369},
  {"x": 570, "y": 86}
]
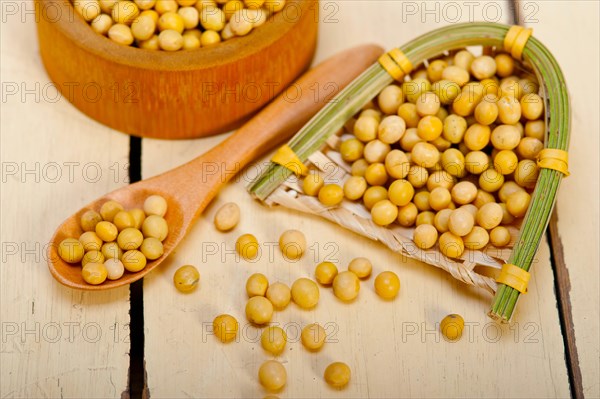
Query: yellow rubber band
[
  {"x": 550, "y": 158},
  {"x": 520, "y": 42},
  {"x": 401, "y": 59},
  {"x": 515, "y": 40},
  {"x": 510, "y": 37},
  {"x": 391, "y": 67},
  {"x": 514, "y": 277},
  {"x": 287, "y": 158}
]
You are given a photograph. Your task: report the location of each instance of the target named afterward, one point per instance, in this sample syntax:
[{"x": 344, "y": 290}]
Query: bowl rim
[{"x": 75, "y": 28}]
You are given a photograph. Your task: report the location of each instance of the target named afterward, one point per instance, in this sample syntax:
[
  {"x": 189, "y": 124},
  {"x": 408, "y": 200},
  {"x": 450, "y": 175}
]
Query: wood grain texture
[
  {"x": 273, "y": 125},
  {"x": 393, "y": 348},
  {"x": 178, "y": 95},
  {"x": 56, "y": 342},
  {"x": 562, "y": 25}
]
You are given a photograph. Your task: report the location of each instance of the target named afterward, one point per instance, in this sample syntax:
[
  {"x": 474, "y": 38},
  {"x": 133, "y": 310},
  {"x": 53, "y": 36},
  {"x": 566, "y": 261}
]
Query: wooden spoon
[{"x": 189, "y": 188}]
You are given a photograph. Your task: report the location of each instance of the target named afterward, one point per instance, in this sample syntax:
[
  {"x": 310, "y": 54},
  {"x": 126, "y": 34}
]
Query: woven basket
[{"x": 317, "y": 145}]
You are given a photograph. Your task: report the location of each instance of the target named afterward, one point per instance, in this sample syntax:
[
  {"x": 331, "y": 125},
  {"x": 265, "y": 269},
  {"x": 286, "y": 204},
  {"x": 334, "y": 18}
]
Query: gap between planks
[
  {"x": 562, "y": 285},
  {"x": 137, "y": 384}
]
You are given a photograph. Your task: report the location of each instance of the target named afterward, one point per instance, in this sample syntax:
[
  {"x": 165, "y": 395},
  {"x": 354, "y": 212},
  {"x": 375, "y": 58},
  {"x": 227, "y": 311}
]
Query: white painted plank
[
  {"x": 393, "y": 348},
  {"x": 570, "y": 30},
  {"x": 55, "y": 341},
  {"x": 392, "y": 23}
]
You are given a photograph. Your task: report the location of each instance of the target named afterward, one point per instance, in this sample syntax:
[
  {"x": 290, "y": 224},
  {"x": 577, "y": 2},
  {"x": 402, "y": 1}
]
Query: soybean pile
[
  {"x": 451, "y": 153},
  {"x": 265, "y": 298}
]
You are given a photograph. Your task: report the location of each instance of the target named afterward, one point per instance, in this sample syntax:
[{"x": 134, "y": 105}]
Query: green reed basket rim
[{"x": 350, "y": 100}]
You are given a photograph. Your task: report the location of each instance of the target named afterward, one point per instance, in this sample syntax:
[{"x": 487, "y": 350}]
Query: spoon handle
[
  {"x": 197, "y": 182},
  {"x": 285, "y": 115}
]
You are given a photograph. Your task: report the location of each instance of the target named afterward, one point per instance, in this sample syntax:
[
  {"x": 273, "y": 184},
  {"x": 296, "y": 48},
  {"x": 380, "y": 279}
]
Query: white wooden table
[{"x": 57, "y": 342}]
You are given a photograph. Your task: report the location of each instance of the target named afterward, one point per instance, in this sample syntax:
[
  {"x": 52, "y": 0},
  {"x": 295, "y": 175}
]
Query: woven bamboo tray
[{"x": 317, "y": 144}]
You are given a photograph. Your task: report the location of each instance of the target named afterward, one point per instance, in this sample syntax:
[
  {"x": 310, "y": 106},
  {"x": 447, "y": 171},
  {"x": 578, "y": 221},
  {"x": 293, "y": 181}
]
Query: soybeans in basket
[{"x": 450, "y": 153}]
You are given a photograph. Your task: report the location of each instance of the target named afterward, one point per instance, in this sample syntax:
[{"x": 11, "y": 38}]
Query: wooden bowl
[{"x": 179, "y": 95}]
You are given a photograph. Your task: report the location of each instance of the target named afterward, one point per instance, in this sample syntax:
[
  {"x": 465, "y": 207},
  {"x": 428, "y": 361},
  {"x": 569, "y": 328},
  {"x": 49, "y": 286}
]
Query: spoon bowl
[
  {"x": 188, "y": 188},
  {"x": 130, "y": 197}
]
